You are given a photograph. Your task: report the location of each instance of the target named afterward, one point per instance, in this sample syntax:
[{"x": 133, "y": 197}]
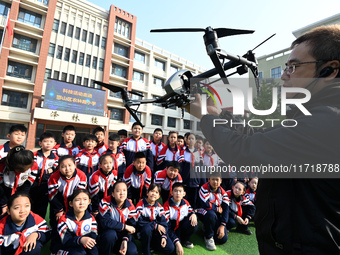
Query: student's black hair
[
  {"x": 172, "y": 132},
  {"x": 187, "y": 134},
  {"x": 215, "y": 174},
  {"x": 15, "y": 196},
  {"x": 155, "y": 186},
  {"x": 114, "y": 137},
  {"x": 102, "y": 157},
  {"x": 46, "y": 135},
  {"x": 76, "y": 192},
  {"x": 205, "y": 140},
  {"x": 90, "y": 137},
  {"x": 138, "y": 155},
  {"x": 98, "y": 129},
  {"x": 180, "y": 137},
  {"x": 62, "y": 158},
  {"x": 135, "y": 124},
  {"x": 19, "y": 159},
  {"x": 255, "y": 177},
  {"x": 115, "y": 185},
  {"x": 178, "y": 185},
  {"x": 174, "y": 164},
  {"x": 69, "y": 128},
  {"x": 243, "y": 184},
  {"x": 122, "y": 132},
  {"x": 17, "y": 127},
  {"x": 198, "y": 137},
  {"x": 158, "y": 129}
]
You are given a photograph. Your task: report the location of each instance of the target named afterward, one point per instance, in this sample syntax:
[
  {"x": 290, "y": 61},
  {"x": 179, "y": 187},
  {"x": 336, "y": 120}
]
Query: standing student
[
  {"x": 170, "y": 152},
  {"x": 119, "y": 162},
  {"x": 68, "y": 146},
  {"x": 16, "y": 136},
  {"x": 180, "y": 142},
  {"x": 101, "y": 147},
  {"x": 156, "y": 145},
  {"x": 123, "y": 133}
]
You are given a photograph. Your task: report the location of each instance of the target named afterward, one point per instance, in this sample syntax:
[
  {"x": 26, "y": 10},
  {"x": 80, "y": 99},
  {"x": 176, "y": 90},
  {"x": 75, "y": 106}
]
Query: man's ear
[{"x": 8, "y": 136}]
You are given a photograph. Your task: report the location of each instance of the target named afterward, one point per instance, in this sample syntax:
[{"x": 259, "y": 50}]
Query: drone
[{"x": 179, "y": 88}]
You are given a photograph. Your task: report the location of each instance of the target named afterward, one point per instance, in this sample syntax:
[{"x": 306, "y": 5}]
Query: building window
[
  {"x": 101, "y": 64},
  {"x": 81, "y": 58},
  {"x": 56, "y": 75},
  {"x": 88, "y": 60},
  {"x": 59, "y": 52},
  {"x": 48, "y": 74},
  {"x": 84, "y": 35},
  {"x": 103, "y": 45},
  {"x": 94, "y": 62},
  {"x": 29, "y": 17},
  {"x": 55, "y": 27},
  {"x": 77, "y": 34},
  {"x": 116, "y": 114},
  {"x": 51, "y": 50},
  {"x": 276, "y": 72},
  {"x": 86, "y": 82},
  {"x": 91, "y": 35},
  {"x": 24, "y": 43},
  {"x": 78, "y": 80},
  {"x": 171, "y": 122},
  {"x": 173, "y": 69},
  {"x": 136, "y": 97},
  {"x": 156, "y": 120},
  {"x": 14, "y": 98},
  {"x": 5, "y": 127},
  {"x": 67, "y": 54},
  {"x": 96, "y": 42},
  {"x": 187, "y": 124},
  {"x": 118, "y": 70},
  {"x": 123, "y": 28},
  {"x": 71, "y": 78},
  {"x": 121, "y": 50},
  {"x": 74, "y": 56},
  {"x": 70, "y": 30},
  {"x": 92, "y": 83},
  {"x": 140, "y": 57},
  {"x": 63, "y": 77},
  {"x": 160, "y": 64},
  {"x": 19, "y": 70},
  {"x": 198, "y": 126},
  {"x": 63, "y": 28},
  {"x": 116, "y": 94},
  {"x": 139, "y": 115},
  {"x": 157, "y": 82},
  {"x": 4, "y": 8},
  {"x": 138, "y": 76}
]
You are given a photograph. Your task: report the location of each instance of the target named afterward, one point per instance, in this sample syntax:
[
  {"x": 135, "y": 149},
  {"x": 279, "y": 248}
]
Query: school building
[{"x": 52, "y": 53}]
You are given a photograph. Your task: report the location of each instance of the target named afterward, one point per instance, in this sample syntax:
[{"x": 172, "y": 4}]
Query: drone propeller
[{"x": 221, "y": 32}]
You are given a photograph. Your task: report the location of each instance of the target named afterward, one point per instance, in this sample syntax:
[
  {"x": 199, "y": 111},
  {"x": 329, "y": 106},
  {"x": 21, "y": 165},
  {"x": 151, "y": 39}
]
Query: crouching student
[
  {"x": 251, "y": 191},
  {"x": 117, "y": 220},
  {"x": 22, "y": 231},
  {"x": 78, "y": 228},
  {"x": 152, "y": 223},
  {"x": 241, "y": 209},
  {"x": 182, "y": 221},
  {"x": 213, "y": 212},
  {"x": 166, "y": 178}
]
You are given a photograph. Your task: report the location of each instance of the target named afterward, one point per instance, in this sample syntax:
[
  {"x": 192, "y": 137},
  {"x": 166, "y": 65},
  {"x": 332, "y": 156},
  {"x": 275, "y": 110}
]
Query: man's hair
[
  {"x": 180, "y": 137},
  {"x": 46, "y": 135},
  {"x": 18, "y": 158},
  {"x": 122, "y": 132},
  {"x": 136, "y": 124},
  {"x": 102, "y": 157},
  {"x": 138, "y": 155},
  {"x": 114, "y": 137},
  {"x": 90, "y": 137},
  {"x": 69, "y": 128},
  {"x": 158, "y": 129},
  {"x": 198, "y": 137},
  {"x": 172, "y": 132},
  {"x": 187, "y": 134},
  {"x": 155, "y": 186},
  {"x": 17, "y": 127},
  {"x": 98, "y": 129},
  {"x": 174, "y": 164},
  {"x": 324, "y": 44},
  {"x": 177, "y": 185}
]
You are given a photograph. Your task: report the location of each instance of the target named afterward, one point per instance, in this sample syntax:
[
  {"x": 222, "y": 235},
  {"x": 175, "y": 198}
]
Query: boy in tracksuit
[
  {"x": 156, "y": 145},
  {"x": 101, "y": 147},
  {"x": 119, "y": 162},
  {"x": 68, "y": 146}
]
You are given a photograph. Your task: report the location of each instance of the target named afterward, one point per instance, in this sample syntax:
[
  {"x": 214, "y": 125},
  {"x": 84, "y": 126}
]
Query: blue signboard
[{"x": 74, "y": 98}]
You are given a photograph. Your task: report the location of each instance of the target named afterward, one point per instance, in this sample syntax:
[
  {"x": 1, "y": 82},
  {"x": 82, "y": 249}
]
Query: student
[
  {"x": 68, "y": 146},
  {"x": 182, "y": 221},
  {"x": 22, "y": 231},
  {"x": 17, "y": 175},
  {"x": 87, "y": 160},
  {"x": 78, "y": 228},
  {"x": 47, "y": 161},
  {"x": 137, "y": 177},
  {"x": 101, "y": 147},
  {"x": 189, "y": 160},
  {"x": 136, "y": 143},
  {"x": 101, "y": 182},
  {"x": 119, "y": 162},
  {"x": 16, "y": 135},
  {"x": 199, "y": 144},
  {"x": 166, "y": 178},
  {"x": 210, "y": 158},
  {"x": 122, "y": 135},
  {"x": 241, "y": 209},
  {"x": 170, "y": 152},
  {"x": 251, "y": 191},
  {"x": 117, "y": 219},
  {"x": 152, "y": 224},
  {"x": 61, "y": 185},
  {"x": 156, "y": 144},
  {"x": 213, "y": 211},
  {"x": 180, "y": 142}
]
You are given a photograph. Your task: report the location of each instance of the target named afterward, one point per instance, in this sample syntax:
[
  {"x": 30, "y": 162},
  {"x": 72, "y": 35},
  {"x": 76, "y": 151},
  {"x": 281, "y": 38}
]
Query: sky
[{"x": 266, "y": 17}]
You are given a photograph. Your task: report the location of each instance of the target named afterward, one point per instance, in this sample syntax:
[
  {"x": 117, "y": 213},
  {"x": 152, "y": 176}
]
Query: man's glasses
[{"x": 290, "y": 69}]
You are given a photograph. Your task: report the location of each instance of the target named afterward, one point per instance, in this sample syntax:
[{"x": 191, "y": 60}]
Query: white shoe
[{"x": 210, "y": 243}]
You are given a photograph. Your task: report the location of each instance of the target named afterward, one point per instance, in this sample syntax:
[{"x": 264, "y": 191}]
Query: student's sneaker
[
  {"x": 246, "y": 232},
  {"x": 210, "y": 243},
  {"x": 188, "y": 245}
]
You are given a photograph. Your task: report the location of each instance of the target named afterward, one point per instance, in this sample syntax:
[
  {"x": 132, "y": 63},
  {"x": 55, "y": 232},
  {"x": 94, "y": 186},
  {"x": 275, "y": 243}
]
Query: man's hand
[
  {"x": 246, "y": 221},
  {"x": 240, "y": 220},
  {"x": 220, "y": 210},
  {"x": 220, "y": 232},
  {"x": 59, "y": 214},
  {"x": 130, "y": 229},
  {"x": 88, "y": 242},
  {"x": 195, "y": 108},
  {"x": 163, "y": 242},
  {"x": 31, "y": 241},
  {"x": 3, "y": 210},
  {"x": 161, "y": 229},
  {"x": 193, "y": 220},
  {"x": 179, "y": 248},
  {"x": 123, "y": 247}
]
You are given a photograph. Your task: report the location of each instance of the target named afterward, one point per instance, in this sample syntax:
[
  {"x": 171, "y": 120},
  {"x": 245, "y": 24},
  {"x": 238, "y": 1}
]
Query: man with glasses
[{"x": 294, "y": 216}]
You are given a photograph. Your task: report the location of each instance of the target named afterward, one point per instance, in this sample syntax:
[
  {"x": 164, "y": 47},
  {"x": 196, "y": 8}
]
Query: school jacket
[
  {"x": 136, "y": 179},
  {"x": 190, "y": 162},
  {"x": 9, "y": 235},
  {"x": 111, "y": 217},
  {"x": 87, "y": 162},
  {"x": 119, "y": 161},
  {"x": 101, "y": 148},
  {"x": 166, "y": 155},
  {"x": 62, "y": 149},
  {"x": 163, "y": 180},
  {"x": 240, "y": 206},
  {"x": 60, "y": 188},
  {"x": 156, "y": 149},
  {"x": 44, "y": 163},
  {"x": 251, "y": 195},
  {"x": 210, "y": 200},
  {"x": 70, "y": 230},
  {"x": 100, "y": 186},
  {"x": 4, "y": 149}
]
